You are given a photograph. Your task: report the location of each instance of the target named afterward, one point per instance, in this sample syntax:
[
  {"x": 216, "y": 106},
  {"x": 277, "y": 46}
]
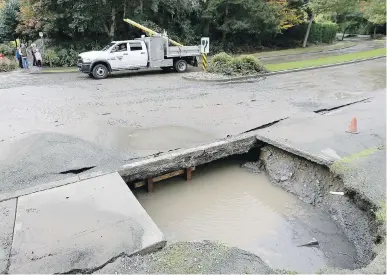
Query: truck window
[
  {"x": 135, "y": 46},
  {"x": 122, "y": 47}
]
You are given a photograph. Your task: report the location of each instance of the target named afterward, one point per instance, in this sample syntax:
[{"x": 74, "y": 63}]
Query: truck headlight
[{"x": 86, "y": 60}]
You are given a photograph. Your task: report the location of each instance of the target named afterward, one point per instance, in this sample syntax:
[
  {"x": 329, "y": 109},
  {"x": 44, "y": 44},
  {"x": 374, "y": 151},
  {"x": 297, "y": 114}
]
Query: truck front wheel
[
  {"x": 100, "y": 71},
  {"x": 181, "y": 66}
]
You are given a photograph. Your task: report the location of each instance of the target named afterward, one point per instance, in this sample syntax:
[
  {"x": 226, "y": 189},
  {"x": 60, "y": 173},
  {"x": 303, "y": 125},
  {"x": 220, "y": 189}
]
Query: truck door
[
  {"x": 119, "y": 56},
  {"x": 138, "y": 54}
]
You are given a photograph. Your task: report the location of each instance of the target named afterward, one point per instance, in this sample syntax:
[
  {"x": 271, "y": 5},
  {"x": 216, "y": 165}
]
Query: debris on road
[
  {"x": 336, "y": 193},
  {"x": 313, "y": 242}
]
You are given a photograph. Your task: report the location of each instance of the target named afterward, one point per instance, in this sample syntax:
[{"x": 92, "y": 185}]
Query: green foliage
[
  {"x": 319, "y": 32},
  {"x": 7, "y": 65},
  {"x": 7, "y": 49},
  {"x": 51, "y": 57},
  {"x": 381, "y": 213},
  {"x": 9, "y": 20},
  {"x": 323, "y": 33},
  {"x": 225, "y": 64},
  {"x": 67, "y": 57},
  {"x": 375, "y": 12}
]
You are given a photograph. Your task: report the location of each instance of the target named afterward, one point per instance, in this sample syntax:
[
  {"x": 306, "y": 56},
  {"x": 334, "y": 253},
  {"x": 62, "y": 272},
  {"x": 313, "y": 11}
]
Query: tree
[
  {"x": 344, "y": 8},
  {"x": 249, "y": 17},
  {"x": 9, "y": 20},
  {"x": 288, "y": 13},
  {"x": 375, "y": 12}
]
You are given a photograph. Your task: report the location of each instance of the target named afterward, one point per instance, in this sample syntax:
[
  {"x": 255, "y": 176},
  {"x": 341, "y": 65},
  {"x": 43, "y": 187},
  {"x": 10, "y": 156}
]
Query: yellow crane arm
[{"x": 149, "y": 31}]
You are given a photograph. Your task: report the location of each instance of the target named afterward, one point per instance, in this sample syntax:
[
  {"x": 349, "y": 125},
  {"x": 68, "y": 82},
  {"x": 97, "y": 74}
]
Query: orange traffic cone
[{"x": 353, "y": 126}]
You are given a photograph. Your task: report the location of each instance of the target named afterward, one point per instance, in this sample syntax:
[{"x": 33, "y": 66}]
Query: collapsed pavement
[{"x": 358, "y": 162}]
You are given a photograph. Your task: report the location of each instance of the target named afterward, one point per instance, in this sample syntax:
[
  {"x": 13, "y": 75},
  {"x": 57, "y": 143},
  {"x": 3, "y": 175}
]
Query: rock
[
  {"x": 254, "y": 167},
  {"x": 284, "y": 178}
]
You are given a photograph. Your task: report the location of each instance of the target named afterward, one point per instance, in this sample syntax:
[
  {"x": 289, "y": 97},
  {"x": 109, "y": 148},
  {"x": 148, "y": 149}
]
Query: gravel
[{"x": 190, "y": 258}]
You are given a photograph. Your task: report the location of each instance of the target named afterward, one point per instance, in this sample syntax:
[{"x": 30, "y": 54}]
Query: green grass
[
  {"x": 326, "y": 60},
  {"x": 59, "y": 70},
  {"x": 381, "y": 213},
  {"x": 344, "y": 164},
  {"x": 311, "y": 49}
]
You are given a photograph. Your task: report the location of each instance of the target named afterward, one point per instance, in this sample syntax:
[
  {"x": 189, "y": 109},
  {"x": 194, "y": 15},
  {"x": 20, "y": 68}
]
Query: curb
[
  {"x": 43, "y": 72},
  {"x": 231, "y": 79}
]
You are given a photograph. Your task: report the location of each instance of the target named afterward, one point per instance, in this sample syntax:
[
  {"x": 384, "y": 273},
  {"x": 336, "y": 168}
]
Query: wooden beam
[
  {"x": 150, "y": 184},
  {"x": 188, "y": 173},
  {"x": 169, "y": 175}
]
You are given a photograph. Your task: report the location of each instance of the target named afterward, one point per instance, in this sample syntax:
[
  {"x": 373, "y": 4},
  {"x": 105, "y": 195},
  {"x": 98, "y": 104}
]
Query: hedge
[{"x": 319, "y": 33}]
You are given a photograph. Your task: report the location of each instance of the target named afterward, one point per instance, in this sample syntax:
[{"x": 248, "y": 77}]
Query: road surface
[{"x": 55, "y": 125}]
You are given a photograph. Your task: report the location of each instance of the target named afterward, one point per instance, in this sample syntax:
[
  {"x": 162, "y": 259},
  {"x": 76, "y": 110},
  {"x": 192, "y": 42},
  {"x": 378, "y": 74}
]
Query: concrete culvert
[{"x": 310, "y": 228}]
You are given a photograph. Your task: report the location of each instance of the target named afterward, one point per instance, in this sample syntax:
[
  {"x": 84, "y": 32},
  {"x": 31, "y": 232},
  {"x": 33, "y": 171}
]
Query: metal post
[{"x": 204, "y": 61}]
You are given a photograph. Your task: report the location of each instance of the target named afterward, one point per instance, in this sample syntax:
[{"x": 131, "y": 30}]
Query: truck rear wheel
[
  {"x": 100, "y": 71},
  {"x": 180, "y": 66}
]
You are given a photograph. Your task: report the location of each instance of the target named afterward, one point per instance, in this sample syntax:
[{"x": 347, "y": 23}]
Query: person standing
[
  {"x": 38, "y": 57},
  {"x": 23, "y": 53},
  {"x": 18, "y": 57},
  {"x": 33, "y": 50}
]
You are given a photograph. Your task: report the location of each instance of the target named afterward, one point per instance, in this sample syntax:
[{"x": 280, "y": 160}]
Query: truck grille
[{"x": 79, "y": 60}]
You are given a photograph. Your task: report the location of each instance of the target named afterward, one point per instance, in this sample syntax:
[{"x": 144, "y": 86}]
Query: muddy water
[{"x": 227, "y": 203}]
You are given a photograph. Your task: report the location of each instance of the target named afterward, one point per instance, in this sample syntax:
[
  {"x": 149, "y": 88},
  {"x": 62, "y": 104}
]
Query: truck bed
[{"x": 183, "y": 51}]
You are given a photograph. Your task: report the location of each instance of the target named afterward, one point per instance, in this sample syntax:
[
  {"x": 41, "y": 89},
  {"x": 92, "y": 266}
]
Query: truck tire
[
  {"x": 100, "y": 71},
  {"x": 181, "y": 66}
]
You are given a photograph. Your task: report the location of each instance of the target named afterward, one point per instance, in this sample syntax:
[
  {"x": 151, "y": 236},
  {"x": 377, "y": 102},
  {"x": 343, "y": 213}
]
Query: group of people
[{"x": 21, "y": 55}]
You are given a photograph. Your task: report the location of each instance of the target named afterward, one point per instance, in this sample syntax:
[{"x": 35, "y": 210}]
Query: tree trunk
[
  {"x": 342, "y": 37},
  {"x": 141, "y": 6},
  {"x": 224, "y": 31},
  {"x": 113, "y": 25},
  {"x": 110, "y": 30},
  {"x": 374, "y": 32},
  {"x": 308, "y": 31}
]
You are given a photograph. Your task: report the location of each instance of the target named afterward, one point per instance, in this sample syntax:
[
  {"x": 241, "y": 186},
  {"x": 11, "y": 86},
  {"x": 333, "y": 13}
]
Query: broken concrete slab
[
  {"x": 325, "y": 141},
  {"x": 184, "y": 158},
  {"x": 7, "y": 221},
  {"x": 37, "y": 188},
  {"x": 80, "y": 227}
]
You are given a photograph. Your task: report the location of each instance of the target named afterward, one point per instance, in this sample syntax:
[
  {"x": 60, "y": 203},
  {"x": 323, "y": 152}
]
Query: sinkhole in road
[{"x": 231, "y": 202}]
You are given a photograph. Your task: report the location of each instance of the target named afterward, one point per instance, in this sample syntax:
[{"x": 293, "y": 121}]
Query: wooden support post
[
  {"x": 149, "y": 182},
  {"x": 188, "y": 173}
]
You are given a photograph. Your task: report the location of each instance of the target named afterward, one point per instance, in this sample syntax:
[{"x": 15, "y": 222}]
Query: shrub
[
  {"x": 7, "y": 50},
  {"x": 51, "y": 57},
  {"x": 7, "y": 65},
  {"x": 225, "y": 64},
  {"x": 67, "y": 57}
]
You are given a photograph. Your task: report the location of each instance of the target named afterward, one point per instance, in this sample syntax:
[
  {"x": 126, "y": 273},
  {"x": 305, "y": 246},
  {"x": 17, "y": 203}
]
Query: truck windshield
[{"x": 107, "y": 46}]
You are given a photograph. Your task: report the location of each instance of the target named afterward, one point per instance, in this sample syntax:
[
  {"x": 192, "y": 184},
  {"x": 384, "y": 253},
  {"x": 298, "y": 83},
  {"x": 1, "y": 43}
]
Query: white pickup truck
[{"x": 141, "y": 53}]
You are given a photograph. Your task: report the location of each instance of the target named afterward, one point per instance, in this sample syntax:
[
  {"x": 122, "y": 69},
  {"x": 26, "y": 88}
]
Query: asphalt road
[{"x": 52, "y": 124}]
